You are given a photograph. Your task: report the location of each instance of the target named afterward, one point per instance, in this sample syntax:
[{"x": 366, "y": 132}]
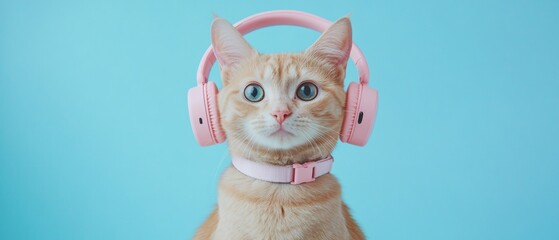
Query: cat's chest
[{"x": 248, "y": 208}]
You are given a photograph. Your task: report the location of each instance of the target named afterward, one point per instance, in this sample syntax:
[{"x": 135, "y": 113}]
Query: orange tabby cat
[{"x": 281, "y": 109}]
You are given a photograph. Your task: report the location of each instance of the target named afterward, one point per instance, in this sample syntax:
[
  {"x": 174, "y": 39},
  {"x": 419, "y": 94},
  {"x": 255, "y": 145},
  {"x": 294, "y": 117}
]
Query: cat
[{"x": 280, "y": 109}]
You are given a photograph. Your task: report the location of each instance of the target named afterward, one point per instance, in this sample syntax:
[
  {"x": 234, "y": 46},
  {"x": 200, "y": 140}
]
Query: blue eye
[
  {"x": 254, "y": 92},
  {"x": 307, "y": 91}
]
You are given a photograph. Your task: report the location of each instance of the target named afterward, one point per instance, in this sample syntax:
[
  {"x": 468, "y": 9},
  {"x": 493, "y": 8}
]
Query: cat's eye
[
  {"x": 307, "y": 91},
  {"x": 254, "y": 92}
]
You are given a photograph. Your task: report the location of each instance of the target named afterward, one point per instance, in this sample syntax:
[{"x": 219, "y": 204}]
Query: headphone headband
[{"x": 282, "y": 17}]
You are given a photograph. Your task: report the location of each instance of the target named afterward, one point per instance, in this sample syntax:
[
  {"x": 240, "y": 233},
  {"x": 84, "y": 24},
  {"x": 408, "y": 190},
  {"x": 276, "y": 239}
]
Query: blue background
[{"x": 95, "y": 141}]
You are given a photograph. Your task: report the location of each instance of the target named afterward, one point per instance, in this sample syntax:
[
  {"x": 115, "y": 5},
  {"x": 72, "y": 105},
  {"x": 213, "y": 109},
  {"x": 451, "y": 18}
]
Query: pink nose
[{"x": 281, "y": 115}]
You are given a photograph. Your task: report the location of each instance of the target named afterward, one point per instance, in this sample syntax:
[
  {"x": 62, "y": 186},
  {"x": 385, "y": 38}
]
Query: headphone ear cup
[
  {"x": 360, "y": 114},
  {"x": 204, "y": 114},
  {"x": 213, "y": 112}
]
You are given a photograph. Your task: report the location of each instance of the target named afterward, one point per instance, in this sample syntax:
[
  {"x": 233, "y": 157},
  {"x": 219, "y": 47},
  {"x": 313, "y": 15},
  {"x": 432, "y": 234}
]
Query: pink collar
[{"x": 294, "y": 174}]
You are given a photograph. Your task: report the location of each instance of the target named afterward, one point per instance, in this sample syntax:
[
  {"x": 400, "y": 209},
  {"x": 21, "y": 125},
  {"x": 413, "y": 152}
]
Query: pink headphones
[{"x": 361, "y": 100}]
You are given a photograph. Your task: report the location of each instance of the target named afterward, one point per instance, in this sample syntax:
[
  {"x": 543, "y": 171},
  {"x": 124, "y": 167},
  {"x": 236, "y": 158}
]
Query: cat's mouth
[{"x": 281, "y": 132}]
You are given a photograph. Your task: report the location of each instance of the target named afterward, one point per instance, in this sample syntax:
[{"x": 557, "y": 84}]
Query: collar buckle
[{"x": 303, "y": 173}]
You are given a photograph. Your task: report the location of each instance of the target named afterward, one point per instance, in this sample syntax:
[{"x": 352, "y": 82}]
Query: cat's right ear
[{"x": 229, "y": 46}]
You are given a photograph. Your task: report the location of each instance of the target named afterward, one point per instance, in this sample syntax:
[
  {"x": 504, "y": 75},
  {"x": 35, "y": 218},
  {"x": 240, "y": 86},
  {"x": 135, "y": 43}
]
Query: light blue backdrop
[{"x": 95, "y": 141}]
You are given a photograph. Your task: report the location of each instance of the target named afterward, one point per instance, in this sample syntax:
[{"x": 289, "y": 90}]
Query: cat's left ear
[
  {"x": 335, "y": 43},
  {"x": 229, "y": 46}
]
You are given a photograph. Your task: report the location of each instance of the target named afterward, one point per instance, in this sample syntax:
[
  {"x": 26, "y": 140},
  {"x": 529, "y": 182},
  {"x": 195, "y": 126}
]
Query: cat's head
[{"x": 282, "y": 108}]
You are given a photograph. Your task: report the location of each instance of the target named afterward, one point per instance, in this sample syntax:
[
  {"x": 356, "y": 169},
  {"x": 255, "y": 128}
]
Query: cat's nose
[{"x": 281, "y": 115}]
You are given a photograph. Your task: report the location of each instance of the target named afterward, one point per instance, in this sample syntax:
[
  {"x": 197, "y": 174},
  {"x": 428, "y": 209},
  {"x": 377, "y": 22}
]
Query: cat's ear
[
  {"x": 334, "y": 44},
  {"x": 229, "y": 46}
]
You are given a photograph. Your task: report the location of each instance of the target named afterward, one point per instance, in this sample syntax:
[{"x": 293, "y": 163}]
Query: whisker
[
  {"x": 311, "y": 141},
  {"x": 223, "y": 156}
]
